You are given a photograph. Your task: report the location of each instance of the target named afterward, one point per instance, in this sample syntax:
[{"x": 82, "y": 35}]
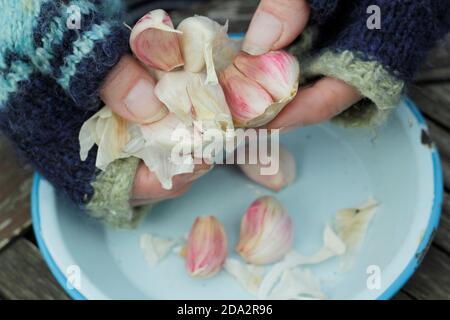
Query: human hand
[
  {"x": 129, "y": 92},
  {"x": 275, "y": 25}
]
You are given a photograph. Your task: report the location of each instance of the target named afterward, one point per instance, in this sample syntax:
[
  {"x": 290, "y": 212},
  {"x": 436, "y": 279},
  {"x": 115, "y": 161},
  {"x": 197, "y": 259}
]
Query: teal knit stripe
[
  {"x": 17, "y": 19},
  {"x": 112, "y": 7},
  {"x": 55, "y": 37},
  {"x": 81, "y": 49},
  {"x": 41, "y": 59},
  {"x": 9, "y": 83}
]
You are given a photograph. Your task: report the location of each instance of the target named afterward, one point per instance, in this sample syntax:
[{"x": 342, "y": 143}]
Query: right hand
[{"x": 129, "y": 91}]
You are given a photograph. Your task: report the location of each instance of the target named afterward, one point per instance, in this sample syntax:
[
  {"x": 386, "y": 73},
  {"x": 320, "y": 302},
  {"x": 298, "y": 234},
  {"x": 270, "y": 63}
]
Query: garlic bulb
[
  {"x": 266, "y": 232},
  {"x": 155, "y": 41},
  {"x": 199, "y": 107},
  {"x": 206, "y": 247},
  {"x": 257, "y": 88},
  {"x": 285, "y": 176}
]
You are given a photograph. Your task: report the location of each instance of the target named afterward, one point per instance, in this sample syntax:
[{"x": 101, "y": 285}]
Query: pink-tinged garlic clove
[
  {"x": 246, "y": 99},
  {"x": 266, "y": 232},
  {"x": 206, "y": 248},
  {"x": 155, "y": 41},
  {"x": 277, "y": 71},
  {"x": 285, "y": 176}
]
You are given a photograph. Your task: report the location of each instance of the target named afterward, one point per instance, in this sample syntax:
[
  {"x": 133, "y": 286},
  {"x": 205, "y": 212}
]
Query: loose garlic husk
[
  {"x": 273, "y": 76},
  {"x": 155, "y": 41},
  {"x": 109, "y": 132},
  {"x": 285, "y": 176},
  {"x": 266, "y": 232},
  {"x": 206, "y": 248}
]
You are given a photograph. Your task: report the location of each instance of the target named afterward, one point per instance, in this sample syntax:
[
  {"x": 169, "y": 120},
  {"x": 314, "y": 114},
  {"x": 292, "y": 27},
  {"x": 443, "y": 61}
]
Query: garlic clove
[
  {"x": 287, "y": 171},
  {"x": 206, "y": 247},
  {"x": 172, "y": 91},
  {"x": 202, "y": 37},
  {"x": 266, "y": 232},
  {"x": 277, "y": 75},
  {"x": 209, "y": 103},
  {"x": 277, "y": 72},
  {"x": 246, "y": 99},
  {"x": 155, "y": 41}
]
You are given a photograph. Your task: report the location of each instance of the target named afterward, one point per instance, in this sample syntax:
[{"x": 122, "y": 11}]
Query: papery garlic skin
[
  {"x": 297, "y": 284},
  {"x": 109, "y": 132},
  {"x": 160, "y": 139},
  {"x": 352, "y": 225},
  {"x": 206, "y": 248},
  {"x": 246, "y": 99},
  {"x": 266, "y": 232},
  {"x": 209, "y": 105},
  {"x": 155, "y": 41},
  {"x": 276, "y": 75},
  {"x": 248, "y": 276},
  {"x": 276, "y": 71},
  {"x": 201, "y": 38},
  {"x": 171, "y": 89},
  {"x": 286, "y": 175},
  {"x": 155, "y": 248}
]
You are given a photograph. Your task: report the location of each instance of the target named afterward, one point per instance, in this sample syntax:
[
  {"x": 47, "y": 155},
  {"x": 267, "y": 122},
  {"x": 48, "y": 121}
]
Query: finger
[
  {"x": 325, "y": 99},
  {"x": 173, "y": 195},
  {"x": 275, "y": 24},
  {"x": 148, "y": 187},
  {"x": 129, "y": 92}
]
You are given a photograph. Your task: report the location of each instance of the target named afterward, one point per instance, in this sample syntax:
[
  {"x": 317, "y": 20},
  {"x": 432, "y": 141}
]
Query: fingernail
[
  {"x": 143, "y": 103},
  {"x": 265, "y": 29}
]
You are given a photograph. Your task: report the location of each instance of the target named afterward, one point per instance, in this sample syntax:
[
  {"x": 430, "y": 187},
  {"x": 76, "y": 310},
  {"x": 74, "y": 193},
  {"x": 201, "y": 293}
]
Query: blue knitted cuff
[
  {"x": 79, "y": 59},
  {"x": 49, "y": 77},
  {"x": 321, "y": 10},
  {"x": 408, "y": 29}
]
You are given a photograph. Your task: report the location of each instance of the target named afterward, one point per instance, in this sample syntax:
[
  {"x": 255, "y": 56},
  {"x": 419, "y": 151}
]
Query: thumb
[{"x": 275, "y": 25}]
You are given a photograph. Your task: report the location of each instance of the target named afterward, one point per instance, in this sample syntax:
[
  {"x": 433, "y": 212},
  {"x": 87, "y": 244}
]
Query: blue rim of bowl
[{"x": 387, "y": 294}]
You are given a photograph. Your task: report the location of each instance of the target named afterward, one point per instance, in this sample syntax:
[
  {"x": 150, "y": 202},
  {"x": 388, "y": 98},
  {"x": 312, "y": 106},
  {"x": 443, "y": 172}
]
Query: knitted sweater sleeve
[
  {"x": 379, "y": 62},
  {"x": 49, "y": 77}
]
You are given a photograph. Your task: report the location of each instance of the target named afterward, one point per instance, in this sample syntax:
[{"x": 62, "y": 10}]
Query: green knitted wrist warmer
[
  {"x": 371, "y": 79},
  {"x": 111, "y": 199}
]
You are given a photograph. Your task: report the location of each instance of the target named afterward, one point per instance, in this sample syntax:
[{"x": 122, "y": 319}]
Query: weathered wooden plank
[
  {"x": 15, "y": 182},
  {"x": 402, "y": 296},
  {"x": 437, "y": 66},
  {"x": 24, "y": 274},
  {"x": 434, "y": 101},
  {"x": 433, "y": 74},
  {"x": 442, "y": 238},
  {"x": 432, "y": 279},
  {"x": 238, "y": 13}
]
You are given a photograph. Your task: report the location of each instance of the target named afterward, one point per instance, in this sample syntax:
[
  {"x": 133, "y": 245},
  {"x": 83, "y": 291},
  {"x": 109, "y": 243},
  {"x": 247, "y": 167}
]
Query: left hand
[{"x": 274, "y": 26}]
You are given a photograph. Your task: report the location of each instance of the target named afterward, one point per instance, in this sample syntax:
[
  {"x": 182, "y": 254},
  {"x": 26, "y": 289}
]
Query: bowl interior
[{"x": 338, "y": 168}]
